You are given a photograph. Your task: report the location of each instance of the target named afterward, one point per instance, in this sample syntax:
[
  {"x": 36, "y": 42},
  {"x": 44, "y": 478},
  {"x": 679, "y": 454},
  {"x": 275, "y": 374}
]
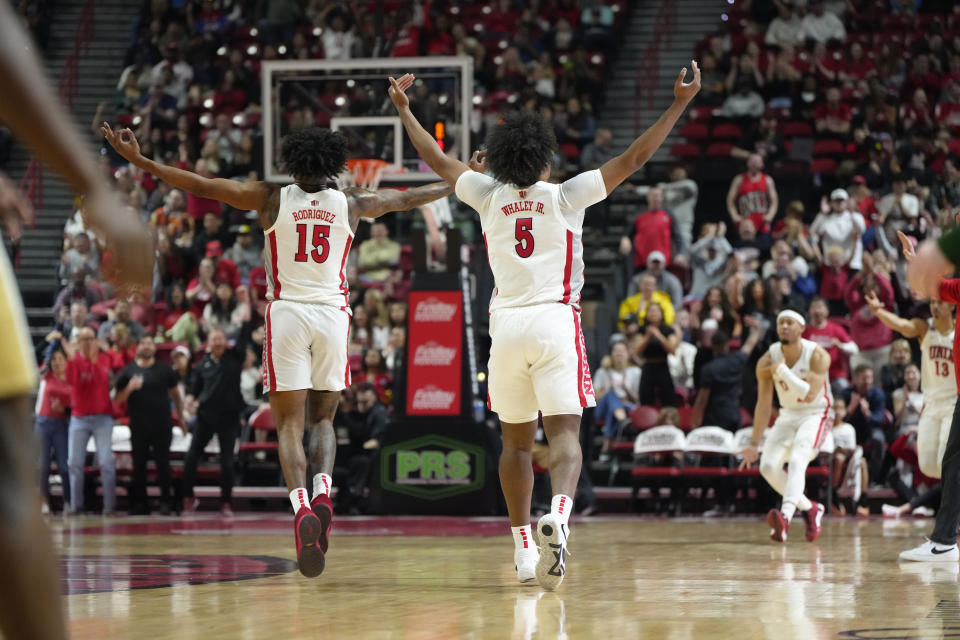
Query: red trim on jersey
[
  {"x": 567, "y": 268},
  {"x": 578, "y": 342},
  {"x": 274, "y": 259},
  {"x": 826, "y": 414},
  {"x": 344, "y": 287},
  {"x": 268, "y": 347}
]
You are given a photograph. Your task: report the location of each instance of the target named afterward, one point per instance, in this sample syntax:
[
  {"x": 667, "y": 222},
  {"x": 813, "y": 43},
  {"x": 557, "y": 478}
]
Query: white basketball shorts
[
  {"x": 797, "y": 431},
  {"x": 538, "y": 362},
  {"x": 305, "y": 347}
]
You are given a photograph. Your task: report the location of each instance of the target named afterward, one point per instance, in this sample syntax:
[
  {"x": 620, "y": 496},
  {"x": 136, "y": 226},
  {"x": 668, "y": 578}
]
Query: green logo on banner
[{"x": 432, "y": 467}]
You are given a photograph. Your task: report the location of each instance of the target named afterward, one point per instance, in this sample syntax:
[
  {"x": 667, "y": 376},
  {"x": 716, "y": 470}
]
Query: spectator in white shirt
[
  {"x": 338, "y": 40},
  {"x": 709, "y": 254},
  {"x": 786, "y": 28},
  {"x": 617, "y": 384},
  {"x": 744, "y": 103},
  {"x": 898, "y": 210},
  {"x": 822, "y": 26},
  {"x": 837, "y": 226}
]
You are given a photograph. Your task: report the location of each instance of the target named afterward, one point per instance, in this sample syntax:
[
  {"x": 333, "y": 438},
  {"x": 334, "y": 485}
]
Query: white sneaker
[
  {"x": 890, "y": 511},
  {"x": 553, "y": 544},
  {"x": 526, "y": 565},
  {"x": 931, "y": 551},
  {"x": 923, "y": 512}
]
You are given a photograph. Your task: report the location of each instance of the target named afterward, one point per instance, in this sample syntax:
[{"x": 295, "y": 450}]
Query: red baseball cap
[{"x": 214, "y": 249}]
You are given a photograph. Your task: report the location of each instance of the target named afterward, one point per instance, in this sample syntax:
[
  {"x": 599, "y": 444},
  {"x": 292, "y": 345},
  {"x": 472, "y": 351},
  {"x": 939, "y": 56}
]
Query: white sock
[
  {"x": 561, "y": 506},
  {"x": 788, "y": 509},
  {"x": 522, "y": 539},
  {"x": 322, "y": 484},
  {"x": 804, "y": 504},
  {"x": 299, "y": 498}
]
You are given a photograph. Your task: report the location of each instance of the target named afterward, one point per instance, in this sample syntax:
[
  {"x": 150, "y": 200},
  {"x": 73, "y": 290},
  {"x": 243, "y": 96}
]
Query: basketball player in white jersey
[
  {"x": 309, "y": 229},
  {"x": 937, "y": 376},
  {"x": 538, "y": 364},
  {"x": 797, "y": 369}
]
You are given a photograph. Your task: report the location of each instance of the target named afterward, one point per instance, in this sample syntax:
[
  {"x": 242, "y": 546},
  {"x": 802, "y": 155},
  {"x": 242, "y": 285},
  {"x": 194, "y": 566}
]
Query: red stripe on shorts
[
  {"x": 268, "y": 347},
  {"x": 579, "y": 344},
  {"x": 567, "y": 268},
  {"x": 823, "y": 420},
  {"x": 346, "y": 376},
  {"x": 344, "y": 286}
]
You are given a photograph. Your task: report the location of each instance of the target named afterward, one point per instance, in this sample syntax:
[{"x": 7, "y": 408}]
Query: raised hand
[
  {"x": 873, "y": 301},
  {"x": 123, "y": 140},
  {"x": 398, "y": 89},
  {"x": 684, "y": 92},
  {"x": 15, "y": 211},
  {"x": 478, "y": 162},
  {"x": 909, "y": 249}
]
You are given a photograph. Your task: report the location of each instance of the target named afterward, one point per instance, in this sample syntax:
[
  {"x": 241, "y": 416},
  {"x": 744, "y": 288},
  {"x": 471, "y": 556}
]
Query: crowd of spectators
[{"x": 777, "y": 87}]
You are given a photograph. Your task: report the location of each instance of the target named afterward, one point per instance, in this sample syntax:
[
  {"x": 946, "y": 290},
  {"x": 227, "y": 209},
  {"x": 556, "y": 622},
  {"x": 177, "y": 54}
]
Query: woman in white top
[
  {"x": 616, "y": 385},
  {"x": 908, "y": 400}
]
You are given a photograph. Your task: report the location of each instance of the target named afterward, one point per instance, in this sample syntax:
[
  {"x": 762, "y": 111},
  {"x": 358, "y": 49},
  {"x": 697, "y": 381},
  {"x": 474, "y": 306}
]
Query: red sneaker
[
  {"x": 306, "y": 531},
  {"x": 814, "y": 517},
  {"x": 322, "y": 506},
  {"x": 778, "y": 525}
]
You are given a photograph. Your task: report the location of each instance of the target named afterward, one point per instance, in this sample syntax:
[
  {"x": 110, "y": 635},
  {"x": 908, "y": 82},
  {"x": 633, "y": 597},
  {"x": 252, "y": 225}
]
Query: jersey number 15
[{"x": 321, "y": 246}]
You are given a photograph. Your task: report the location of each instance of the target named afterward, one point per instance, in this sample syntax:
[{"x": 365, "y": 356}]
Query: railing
[
  {"x": 647, "y": 76},
  {"x": 32, "y": 184}
]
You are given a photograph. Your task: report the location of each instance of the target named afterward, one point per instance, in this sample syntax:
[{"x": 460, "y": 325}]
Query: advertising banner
[{"x": 434, "y": 353}]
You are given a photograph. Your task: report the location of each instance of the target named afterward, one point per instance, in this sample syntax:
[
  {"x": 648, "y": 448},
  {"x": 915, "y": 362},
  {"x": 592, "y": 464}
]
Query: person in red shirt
[
  {"x": 258, "y": 289},
  {"x": 753, "y": 195},
  {"x": 654, "y": 230},
  {"x": 834, "y": 339},
  {"x": 53, "y": 403},
  {"x": 833, "y": 116},
  {"x": 88, "y": 373},
  {"x": 225, "y": 269}
]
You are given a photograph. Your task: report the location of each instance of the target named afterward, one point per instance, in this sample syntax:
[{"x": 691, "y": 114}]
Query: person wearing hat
[
  {"x": 224, "y": 269},
  {"x": 797, "y": 369},
  {"x": 245, "y": 253},
  {"x": 837, "y": 226},
  {"x": 666, "y": 281}
]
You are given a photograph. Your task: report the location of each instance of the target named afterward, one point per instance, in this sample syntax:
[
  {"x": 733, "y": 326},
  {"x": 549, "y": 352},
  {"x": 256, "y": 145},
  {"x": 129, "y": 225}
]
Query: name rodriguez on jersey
[{"x": 314, "y": 214}]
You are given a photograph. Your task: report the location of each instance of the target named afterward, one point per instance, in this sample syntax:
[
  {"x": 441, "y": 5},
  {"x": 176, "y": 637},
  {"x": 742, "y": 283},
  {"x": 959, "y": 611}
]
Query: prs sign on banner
[{"x": 434, "y": 352}]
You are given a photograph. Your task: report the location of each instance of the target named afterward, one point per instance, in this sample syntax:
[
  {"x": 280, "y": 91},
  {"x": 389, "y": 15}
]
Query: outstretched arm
[
  {"x": 908, "y": 328},
  {"x": 618, "y": 169},
  {"x": 241, "y": 195},
  {"x": 446, "y": 167}
]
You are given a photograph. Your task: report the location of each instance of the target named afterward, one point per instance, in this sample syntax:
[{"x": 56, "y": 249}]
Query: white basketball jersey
[
  {"x": 790, "y": 399},
  {"x": 936, "y": 366},
  {"x": 307, "y": 247},
  {"x": 533, "y": 236}
]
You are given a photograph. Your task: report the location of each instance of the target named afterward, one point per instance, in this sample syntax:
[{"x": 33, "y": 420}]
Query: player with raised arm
[
  {"x": 797, "y": 369},
  {"x": 936, "y": 368},
  {"x": 309, "y": 229},
  {"x": 533, "y": 233},
  {"x": 30, "y": 592}
]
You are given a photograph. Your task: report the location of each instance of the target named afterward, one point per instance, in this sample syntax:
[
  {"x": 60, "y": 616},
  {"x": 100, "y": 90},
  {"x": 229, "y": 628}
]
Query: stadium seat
[
  {"x": 685, "y": 150},
  {"x": 656, "y": 464},
  {"x": 686, "y": 418},
  {"x": 694, "y": 131},
  {"x": 719, "y": 149},
  {"x": 727, "y": 131},
  {"x": 828, "y": 147},
  {"x": 796, "y": 128},
  {"x": 823, "y": 165},
  {"x": 644, "y": 417}
]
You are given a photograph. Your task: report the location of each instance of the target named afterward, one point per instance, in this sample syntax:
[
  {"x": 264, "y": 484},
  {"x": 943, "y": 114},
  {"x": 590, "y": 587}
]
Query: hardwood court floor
[{"x": 440, "y": 578}]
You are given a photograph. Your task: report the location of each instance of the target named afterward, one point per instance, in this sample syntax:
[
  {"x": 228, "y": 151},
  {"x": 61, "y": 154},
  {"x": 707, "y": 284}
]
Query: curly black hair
[
  {"x": 314, "y": 154},
  {"x": 520, "y": 147}
]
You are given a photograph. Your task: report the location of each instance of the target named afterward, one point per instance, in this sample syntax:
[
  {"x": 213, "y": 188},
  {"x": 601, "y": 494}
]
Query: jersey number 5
[
  {"x": 524, "y": 238},
  {"x": 321, "y": 246}
]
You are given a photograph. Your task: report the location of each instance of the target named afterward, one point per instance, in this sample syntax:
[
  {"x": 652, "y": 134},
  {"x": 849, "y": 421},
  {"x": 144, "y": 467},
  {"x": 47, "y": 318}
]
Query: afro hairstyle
[
  {"x": 520, "y": 147},
  {"x": 314, "y": 154}
]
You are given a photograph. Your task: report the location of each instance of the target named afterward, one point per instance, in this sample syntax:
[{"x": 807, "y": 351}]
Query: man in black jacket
[
  {"x": 367, "y": 424},
  {"x": 214, "y": 395}
]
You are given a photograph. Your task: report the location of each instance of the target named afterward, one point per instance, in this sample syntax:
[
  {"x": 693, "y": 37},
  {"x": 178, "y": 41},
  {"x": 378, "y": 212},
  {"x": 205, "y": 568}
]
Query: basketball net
[{"x": 362, "y": 172}]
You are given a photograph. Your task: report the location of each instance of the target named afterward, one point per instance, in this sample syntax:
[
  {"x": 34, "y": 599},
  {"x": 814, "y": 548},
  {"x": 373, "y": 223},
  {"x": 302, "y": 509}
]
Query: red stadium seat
[
  {"x": 719, "y": 149},
  {"x": 686, "y": 418},
  {"x": 685, "y": 150},
  {"x": 694, "y": 131},
  {"x": 828, "y": 147},
  {"x": 823, "y": 165},
  {"x": 570, "y": 150},
  {"x": 796, "y": 128},
  {"x": 726, "y": 131},
  {"x": 698, "y": 114},
  {"x": 644, "y": 417}
]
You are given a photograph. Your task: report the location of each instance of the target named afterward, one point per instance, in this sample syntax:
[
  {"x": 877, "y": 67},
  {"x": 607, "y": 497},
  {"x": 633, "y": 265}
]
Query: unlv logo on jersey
[
  {"x": 314, "y": 203},
  {"x": 523, "y": 194}
]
